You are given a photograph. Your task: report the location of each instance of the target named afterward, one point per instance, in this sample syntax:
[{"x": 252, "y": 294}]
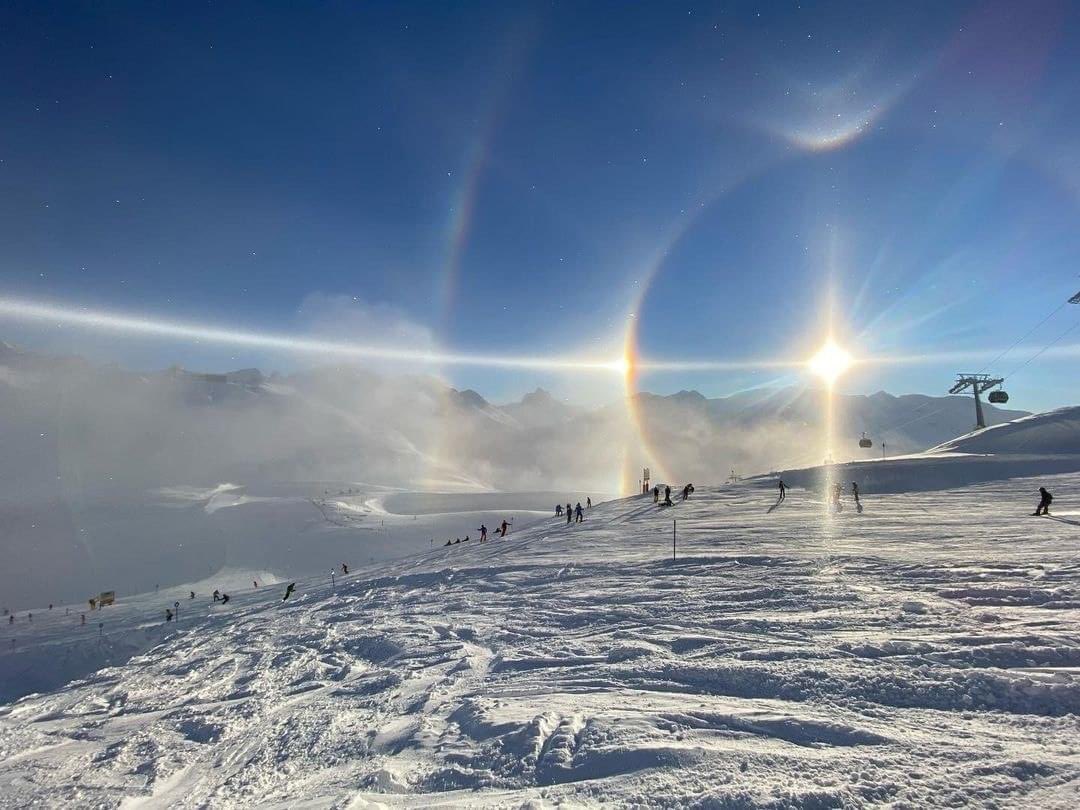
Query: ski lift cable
[
  {"x": 1040, "y": 351},
  {"x": 1028, "y": 334}
]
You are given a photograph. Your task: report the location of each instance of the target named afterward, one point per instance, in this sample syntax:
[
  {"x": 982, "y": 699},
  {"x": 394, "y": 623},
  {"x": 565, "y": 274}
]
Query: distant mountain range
[{"x": 100, "y": 429}]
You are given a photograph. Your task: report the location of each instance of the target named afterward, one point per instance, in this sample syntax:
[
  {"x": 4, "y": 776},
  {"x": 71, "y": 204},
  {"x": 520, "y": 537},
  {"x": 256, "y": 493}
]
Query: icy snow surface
[{"x": 924, "y": 653}]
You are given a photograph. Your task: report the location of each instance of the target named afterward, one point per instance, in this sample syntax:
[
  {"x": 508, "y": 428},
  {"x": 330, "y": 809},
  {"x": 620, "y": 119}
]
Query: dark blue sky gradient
[{"x": 223, "y": 162}]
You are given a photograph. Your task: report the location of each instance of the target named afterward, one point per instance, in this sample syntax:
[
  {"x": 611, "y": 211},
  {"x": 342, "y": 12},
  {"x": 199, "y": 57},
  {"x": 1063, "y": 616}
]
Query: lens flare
[{"x": 830, "y": 362}]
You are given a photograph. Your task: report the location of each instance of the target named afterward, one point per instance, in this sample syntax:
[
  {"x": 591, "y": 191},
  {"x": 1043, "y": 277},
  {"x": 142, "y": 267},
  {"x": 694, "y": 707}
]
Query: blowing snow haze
[{"x": 160, "y": 477}]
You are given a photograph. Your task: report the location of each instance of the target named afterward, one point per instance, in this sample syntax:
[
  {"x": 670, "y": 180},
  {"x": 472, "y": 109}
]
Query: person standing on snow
[
  {"x": 344, "y": 568},
  {"x": 588, "y": 503},
  {"x": 483, "y": 533},
  {"x": 579, "y": 513},
  {"x": 783, "y": 491},
  {"x": 1044, "y": 502},
  {"x": 288, "y": 591},
  {"x": 855, "y": 495},
  {"x": 667, "y": 495},
  {"x": 505, "y": 528},
  {"x": 569, "y": 514},
  {"x": 656, "y": 494},
  {"x": 558, "y": 510}
]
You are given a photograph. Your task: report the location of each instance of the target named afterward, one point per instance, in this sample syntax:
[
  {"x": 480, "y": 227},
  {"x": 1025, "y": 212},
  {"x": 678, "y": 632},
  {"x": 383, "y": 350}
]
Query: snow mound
[
  {"x": 1053, "y": 433},
  {"x": 1041, "y": 444}
]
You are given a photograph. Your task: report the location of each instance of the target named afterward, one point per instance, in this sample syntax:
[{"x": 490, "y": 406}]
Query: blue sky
[{"x": 507, "y": 179}]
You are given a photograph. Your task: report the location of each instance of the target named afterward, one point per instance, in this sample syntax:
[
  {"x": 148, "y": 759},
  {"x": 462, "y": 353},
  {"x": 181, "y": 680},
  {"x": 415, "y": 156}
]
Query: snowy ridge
[
  {"x": 798, "y": 658},
  {"x": 1039, "y": 444},
  {"x": 1053, "y": 433}
]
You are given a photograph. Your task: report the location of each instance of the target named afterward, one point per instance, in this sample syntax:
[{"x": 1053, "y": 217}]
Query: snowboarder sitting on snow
[
  {"x": 449, "y": 542},
  {"x": 1044, "y": 502},
  {"x": 224, "y": 599},
  {"x": 288, "y": 591},
  {"x": 579, "y": 513}
]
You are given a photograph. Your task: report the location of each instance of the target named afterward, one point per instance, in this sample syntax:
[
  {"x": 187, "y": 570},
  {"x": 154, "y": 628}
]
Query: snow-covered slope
[
  {"x": 925, "y": 653},
  {"x": 1054, "y": 433},
  {"x": 1041, "y": 444}
]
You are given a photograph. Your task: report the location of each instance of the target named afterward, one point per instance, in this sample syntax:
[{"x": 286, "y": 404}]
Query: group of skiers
[
  {"x": 687, "y": 491},
  {"x": 574, "y": 514},
  {"x": 501, "y": 531},
  {"x": 837, "y": 491}
]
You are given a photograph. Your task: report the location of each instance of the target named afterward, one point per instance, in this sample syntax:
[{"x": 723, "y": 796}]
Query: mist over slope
[{"x": 164, "y": 476}]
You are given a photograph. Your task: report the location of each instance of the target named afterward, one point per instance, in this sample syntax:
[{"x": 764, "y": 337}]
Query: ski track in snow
[{"x": 923, "y": 654}]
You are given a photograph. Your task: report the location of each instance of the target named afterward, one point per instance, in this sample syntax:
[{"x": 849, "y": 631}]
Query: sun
[{"x": 830, "y": 362}]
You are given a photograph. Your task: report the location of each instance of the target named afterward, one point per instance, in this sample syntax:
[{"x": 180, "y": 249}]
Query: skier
[
  {"x": 855, "y": 495},
  {"x": 588, "y": 503},
  {"x": 288, "y": 591},
  {"x": 1044, "y": 502},
  {"x": 224, "y": 599},
  {"x": 569, "y": 514},
  {"x": 667, "y": 495},
  {"x": 344, "y": 568},
  {"x": 656, "y": 494},
  {"x": 783, "y": 491},
  {"x": 483, "y": 533},
  {"x": 579, "y": 513}
]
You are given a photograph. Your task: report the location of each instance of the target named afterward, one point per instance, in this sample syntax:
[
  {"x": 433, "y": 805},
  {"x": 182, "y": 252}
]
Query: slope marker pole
[{"x": 673, "y": 540}]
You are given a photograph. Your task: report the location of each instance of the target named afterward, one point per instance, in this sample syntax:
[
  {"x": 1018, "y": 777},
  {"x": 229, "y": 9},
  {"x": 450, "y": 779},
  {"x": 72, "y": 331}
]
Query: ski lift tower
[{"x": 979, "y": 384}]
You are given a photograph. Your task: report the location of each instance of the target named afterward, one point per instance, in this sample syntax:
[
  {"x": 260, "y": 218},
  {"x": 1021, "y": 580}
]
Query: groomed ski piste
[{"x": 924, "y": 653}]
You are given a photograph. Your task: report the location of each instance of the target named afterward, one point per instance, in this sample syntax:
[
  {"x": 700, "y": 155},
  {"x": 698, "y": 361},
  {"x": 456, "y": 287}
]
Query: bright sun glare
[{"x": 830, "y": 362}]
